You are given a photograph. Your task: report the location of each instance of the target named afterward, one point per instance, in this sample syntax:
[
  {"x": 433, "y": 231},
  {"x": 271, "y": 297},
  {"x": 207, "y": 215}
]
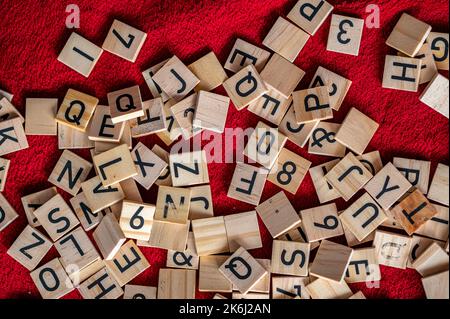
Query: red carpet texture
[{"x": 32, "y": 33}]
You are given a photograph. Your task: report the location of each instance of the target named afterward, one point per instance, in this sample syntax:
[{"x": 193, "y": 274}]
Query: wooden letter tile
[
  {"x": 428, "y": 69},
  {"x": 56, "y": 217},
  {"x": 286, "y": 39},
  {"x": 321, "y": 222},
  {"x": 345, "y": 34},
  {"x": 168, "y": 236},
  {"x": 124, "y": 41},
  {"x": 348, "y": 176},
  {"x": 312, "y": 105},
  {"x": 243, "y": 270},
  {"x": 100, "y": 286},
  {"x": 115, "y": 165},
  {"x": 69, "y": 138},
  {"x": 80, "y": 54},
  {"x": 290, "y": 287},
  {"x": 70, "y": 171},
  {"x": 175, "y": 79},
  {"x": 148, "y": 165},
  {"x": 125, "y": 104},
  {"x": 437, "y": 286},
  {"x": 184, "y": 113},
  {"x": 51, "y": 280},
  {"x": 244, "y": 54},
  {"x": 298, "y": 134},
  {"x": 363, "y": 266},
  {"x": 338, "y": 86},
  {"x": 438, "y": 191},
  {"x": 310, "y": 14},
  {"x": 245, "y": 87},
  {"x": 152, "y": 121},
  {"x": 33, "y": 201},
  {"x": 290, "y": 258},
  {"x": 274, "y": 75},
  {"x": 402, "y": 73},
  {"x": 189, "y": 168},
  {"x": 209, "y": 71},
  {"x": 127, "y": 263},
  {"x": 102, "y": 128},
  {"x": 30, "y": 247},
  {"x": 40, "y": 116},
  {"x": 439, "y": 46},
  {"x": 391, "y": 249},
  {"x": 100, "y": 197},
  {"x": 289, "y": 171},
  {"x": 243, "y": 231},
  {"x": 201, "y": 203},
  {"x": 272, "y": 106},
  {"x": 76, "y": 110},
  {"x": 363, "y": 217},
  {"x": 211, "y": 111},
  {"x": 324, "y": 190},
  {"x": 408, "y": 35},
  {"x": 323, "y": 142},
  {"x": 136, "y": 220},
  {"x": 176, "y": 284},
  {"x": 388, "y": 186},
  {"x": 435, "y": 95},
  {"x": 4, "y": 168},
  {"x": 210, "y": 278},
  {"x": 87, "y": 218},
  {"x": 432, "y": 261},
  {"x": 185, "y": 259},
  {"x": 155, "y": 89},
  {"x": 416, "y": 172},
  {"x": 248, "y": 183},
  {"x": 413, "y": 211},
  {"x": 264, "y": 145},
  {"x": 356, "y": 131},
  {"x": 108, "y": 236},
  {"x": 12, "y": 136},
  {"x": 139, "y": 292},
  {"x": 331, "y": 261},
  {"x": 210, "y": 236},
  {"x": 172, "y": 205}
]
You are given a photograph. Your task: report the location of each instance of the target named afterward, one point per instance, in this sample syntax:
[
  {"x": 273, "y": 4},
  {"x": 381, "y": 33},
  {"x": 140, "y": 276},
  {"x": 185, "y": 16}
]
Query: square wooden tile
[
  {"x": 167, "y": 236},
  {"x": 312, "y": 105},
  {"x": 102, "y": 128},
  {"x": 153, "y": 120},
  {"x": 175, "y": 79},
  {"x": 408, "y": 35},
  {"x": 275, "y": 71},
  {"x": 210, "y": 236},
  {"x": 289, "y": 287},
  {"x": 289, "y": 171},
  {"x": 324, "y": 190},
  {"x": 439, "y": 46},
  {"x": 278, "y": 214},
  {"x": 391, "y": 249},
  {"x": 242, "y": 270},
  {"x": 184, "y": 113},
  {"x": 438, "y": 191},
  {"x": 432, "y": 261},
  {"x": 243, "y": 231},
  {"x": 125, "y": 104},
  {"x": 56, "y": 217},
  {"x": 33, "y": 201},
  {"x": 435, "y": 95},
  {"x": 201, "y": 202},
  {"x": 272, "y": 106},
  {"x": 348, "y": 176},
  {"x": 247, "y": 184},
  {"x": 87, "y": 218},
  {"x": 402, "y": 73},
  {"x": 172, "y": 205},
  {"x": 30, "y": 247},
  {"x": 419, "y": 245},
  {"x": 290, "y": 258},
  {"x": 436, "y": 286},
  {"x": 345, "y": 34},
  {"x": 363, "y": 266},
  {"x": 13, "y": 136},
  {"x": 363, "y": 217},
  {"x": 437, "y": 226},
  {"x": 155, "y": 89},
  {"x": 428, "y": 69},
  {"x": 244, "y": 54},
  {"x": 125, "y": 41},
  {"x": 356, "y": 131},
  {"x": 101, "y": 285},
  {"x": 76, "y": 110},
  {"x": 286, "y": 39},
  {"x": 184, "y": 259},
  {"x": 40, "y": 116},
  {"x": 51, "y": 280},
  {"x": 210, "y": 278},
  {"x": 211, "y": 111},
  {"x": 323, "y": 142},
  {"x": 69, "y": 172},
  {"x": 298, "y": 134},
  {"x": 176, "y": 284},
  {"x": 417, "y": 172},
  {"x": 209, "y": 71},
  {"x": 100, "y": 197},
  {"x": 331, "y": 261},
  {"x": 310, "y": 14},
  {"x": 69, "y": 138},
  {"x": 245, "y": 87},
  {"x": 148, "y": 165},
  {"x": 80, "y": 54},
  {"x": 388, "y": 186},
  {"x": 136, "y": 220},
  {"x": 321, "y": 222}
]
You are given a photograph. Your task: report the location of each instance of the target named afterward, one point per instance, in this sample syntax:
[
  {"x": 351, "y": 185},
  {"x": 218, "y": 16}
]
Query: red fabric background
[{"x": 33, "y": 32}]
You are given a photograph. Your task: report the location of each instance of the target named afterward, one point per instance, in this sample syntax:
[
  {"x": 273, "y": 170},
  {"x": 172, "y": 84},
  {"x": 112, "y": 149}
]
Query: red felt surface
[{"x": 33, "y": 32}]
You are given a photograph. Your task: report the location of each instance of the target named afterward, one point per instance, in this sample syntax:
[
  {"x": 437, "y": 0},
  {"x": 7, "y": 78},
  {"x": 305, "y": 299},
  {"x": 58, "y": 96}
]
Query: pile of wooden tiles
[{"x": 397, "y": 195}]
